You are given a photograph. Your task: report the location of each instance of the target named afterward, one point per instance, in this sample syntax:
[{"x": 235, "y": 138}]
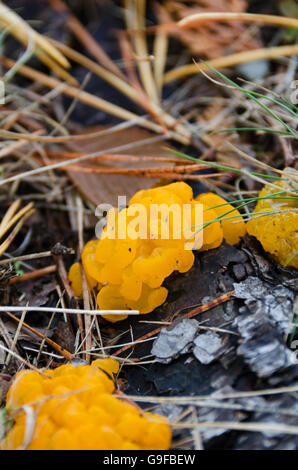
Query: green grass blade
[
  {"x": 216, "y": 165},
  {"x": 251, "y": 95},
  {"x": 255, "y": 129}
]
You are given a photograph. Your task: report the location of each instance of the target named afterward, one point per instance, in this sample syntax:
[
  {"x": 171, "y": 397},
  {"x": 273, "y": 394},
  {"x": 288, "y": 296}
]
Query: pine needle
[
  {"x": 23, "y": 32},
  {"x": 232, "y": 60},
  {"x": 198, "y": 19}
]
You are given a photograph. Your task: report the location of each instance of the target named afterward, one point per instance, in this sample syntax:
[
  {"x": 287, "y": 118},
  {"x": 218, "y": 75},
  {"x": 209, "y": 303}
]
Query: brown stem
[
  {"x": 67, "y": 355},
  {"x": 203, "y": 308},
  {"x": 33, "y": 274}
]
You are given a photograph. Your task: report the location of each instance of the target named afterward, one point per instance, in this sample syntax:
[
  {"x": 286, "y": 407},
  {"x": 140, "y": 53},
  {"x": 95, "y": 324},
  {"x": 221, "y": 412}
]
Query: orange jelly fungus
[
  {"x": 277, "y": 232},
  {"x": 231, "y": 221},
  {"x": 74, "y": 409},
  {"x": 129, "y": 271}
]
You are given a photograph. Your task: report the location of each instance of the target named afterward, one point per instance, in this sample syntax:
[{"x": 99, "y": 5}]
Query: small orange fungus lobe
[
  {"x": 75, "y": 409},
  {"x": 277, "y": 232},
  {"x": 75, "y": 278},
  {"x": 231, "y": 221},
  {"x": 146, "y": 242}
]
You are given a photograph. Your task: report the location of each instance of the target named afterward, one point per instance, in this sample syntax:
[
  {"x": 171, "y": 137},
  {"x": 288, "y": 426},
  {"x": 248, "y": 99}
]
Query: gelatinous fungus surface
[
  {"x": 144, "y": 243},
  {"x": 73, "y": 408},
  {"x": 277, "y": 232}
]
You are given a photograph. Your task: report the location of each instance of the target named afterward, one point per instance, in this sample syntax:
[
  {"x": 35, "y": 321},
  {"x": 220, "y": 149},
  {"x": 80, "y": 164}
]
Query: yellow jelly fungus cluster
[
  {"x": 129, "y": 271},
  {"x": 232, "y": 224},
  {"x": 277, "y": 232},
  {"x": 75, "y": 409}
]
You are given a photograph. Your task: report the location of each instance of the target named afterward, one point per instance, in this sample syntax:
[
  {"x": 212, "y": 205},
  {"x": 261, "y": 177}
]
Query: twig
[
  {"x": 16, "y": 336},
  {"x": 121, "y": 158},
  {"x": 86, "y": 38},
  {"x": 106, "y": 75},
  {"x": 9, "y": 149},
  {"x": 10, "y": 219},
  {"x": 181, "y": 169},
  {"x": 253, "y": 427},
  {"x": 15, "y": 231},
  {"x": 73, "y": 92},
  {"x": 87, "y": 342},
  {"x": 231, "y": 60},
  {"x": 160, "y": 49},
  {"x": 30, "y": 366},
  {"x": 199, "y": 19},
  {"x": 179, "y": 133},
  {"x": 74, "y": 311},
  {"x": 9, "y": 18},
  {"x": 203, "y": 308},
  {"x": 33, "y": 274},
  {"x": 29, "y": 426},
  {"x": 68, "y": 289},
  {"x": 43, "y": 254},
  {"x": 67, "y": 355},
  {"x": 135, "y": 19},
  {"x": 66, "y": 138},
  {"x": 192, "y": 399},
  {"x": 150, "y": 106},
  {"x": 79, "y": 159}
]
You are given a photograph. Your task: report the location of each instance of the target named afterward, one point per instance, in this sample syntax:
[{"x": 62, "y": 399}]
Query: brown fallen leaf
[
  {"x": 212, "y": 40},
  {"x": 106, "y": 188}
]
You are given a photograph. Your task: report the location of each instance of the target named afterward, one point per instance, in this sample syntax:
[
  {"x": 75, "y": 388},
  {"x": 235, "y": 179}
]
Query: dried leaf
[
  {"x": 106, "y": 188},
  {"x": 215, "y": 39}
]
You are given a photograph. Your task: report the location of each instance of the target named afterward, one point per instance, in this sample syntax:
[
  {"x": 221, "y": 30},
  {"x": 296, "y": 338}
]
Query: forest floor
[{"x": 72, "y": 138}]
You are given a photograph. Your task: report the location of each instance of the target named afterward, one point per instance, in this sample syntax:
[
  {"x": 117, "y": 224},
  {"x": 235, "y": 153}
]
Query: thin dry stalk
[
  {"x": 135, "y": 11},
  {"x": 46, "y": 52},
  {"x": 37, "y": 273},
  {"x": 21, "y": 324},
  {"x": 144, "y": 100},
  {"x": 142, "y": 172},
  {"x": 252, "y": 427},
  {"x": 16, "y": 336},
  {"x": 121, "y": 157},
  {"x": 59, "y": 71},
  {"x": 29, "y": 427},
  {"x": 31, "y": 308},
  {"x": 196, "y": 433},
  {"x": 23, "y": 361},
  {"x": 86, "y": 38},
  {"x": 191, "y": 314},
  {"x": 10, "y": 218},
  {"x": 191, "y": 400},
  {"x": 87, "y": 343},
  {"x": 181, "y": 134},
  {"x": 63, "y": 139},
  {"x": 160, "y": 50},
  {"x": 9, "y": 149},
  {"x": 73, "y": 92},
  {"x": 44, "y": 254},
  {"x": 4, "y": 245},
  {"x": 97, "y": 69},
  {"x": 232, "y": 60},
  {"x": 199, "y": 19},
  {"x": 43, "y": 169}
]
